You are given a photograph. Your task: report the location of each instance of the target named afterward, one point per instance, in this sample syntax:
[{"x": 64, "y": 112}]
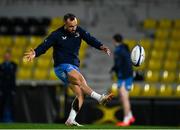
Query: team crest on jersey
[{"x": 64, "y": 37}]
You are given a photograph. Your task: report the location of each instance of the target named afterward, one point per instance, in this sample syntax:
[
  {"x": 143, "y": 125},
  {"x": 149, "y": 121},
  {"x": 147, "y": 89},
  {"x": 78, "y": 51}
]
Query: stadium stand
[
  {"x": 161, "y": 46},
  {"x": 19, "y": 42},
  {"x": 161, "y": 67}
]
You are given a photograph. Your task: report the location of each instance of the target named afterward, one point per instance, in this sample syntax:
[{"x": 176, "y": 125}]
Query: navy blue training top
[
  {"x": 122, "y": 62},
  {"x": 66, "y": 45}
]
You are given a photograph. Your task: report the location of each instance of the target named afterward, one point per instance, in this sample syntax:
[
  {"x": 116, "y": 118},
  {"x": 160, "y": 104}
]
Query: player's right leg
[{"x": 75, "y": 77}]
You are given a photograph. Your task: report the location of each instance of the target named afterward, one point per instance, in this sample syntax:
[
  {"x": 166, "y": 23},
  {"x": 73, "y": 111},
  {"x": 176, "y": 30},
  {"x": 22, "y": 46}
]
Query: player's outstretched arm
[
  {"x": 29, "y": 55},
  {"x": 105, "y": 49}
]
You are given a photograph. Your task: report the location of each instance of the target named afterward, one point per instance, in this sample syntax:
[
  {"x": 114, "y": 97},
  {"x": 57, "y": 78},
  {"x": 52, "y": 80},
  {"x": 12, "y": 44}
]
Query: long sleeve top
[{"x": 66, "y": 45}]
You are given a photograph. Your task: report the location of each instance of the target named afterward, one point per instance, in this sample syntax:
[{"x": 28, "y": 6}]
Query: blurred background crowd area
[
  {"x": 154, "y": 24},
  {"x": 41, "y": 97}
]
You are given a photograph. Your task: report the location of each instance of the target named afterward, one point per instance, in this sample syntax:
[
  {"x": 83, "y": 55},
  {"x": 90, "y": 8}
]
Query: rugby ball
[{"x": 137, "y": 55}]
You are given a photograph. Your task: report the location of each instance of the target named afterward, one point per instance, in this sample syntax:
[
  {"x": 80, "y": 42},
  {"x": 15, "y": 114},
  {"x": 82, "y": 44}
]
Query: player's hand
[
  {"x": 29, "y": 55},
  {"x": 106, "y": 49}
]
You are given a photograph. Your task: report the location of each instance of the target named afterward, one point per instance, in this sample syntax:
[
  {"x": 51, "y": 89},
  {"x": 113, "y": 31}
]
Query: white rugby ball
[{"x": 137, "y": 55}]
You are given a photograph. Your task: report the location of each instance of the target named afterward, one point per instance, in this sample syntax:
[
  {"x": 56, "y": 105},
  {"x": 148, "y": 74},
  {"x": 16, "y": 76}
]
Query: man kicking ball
[{"x": 66, "y": 42}]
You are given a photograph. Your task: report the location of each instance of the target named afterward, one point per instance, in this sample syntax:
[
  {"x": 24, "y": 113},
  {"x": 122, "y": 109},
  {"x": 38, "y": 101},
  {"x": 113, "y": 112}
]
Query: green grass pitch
[{"x": 86, "y": 126}]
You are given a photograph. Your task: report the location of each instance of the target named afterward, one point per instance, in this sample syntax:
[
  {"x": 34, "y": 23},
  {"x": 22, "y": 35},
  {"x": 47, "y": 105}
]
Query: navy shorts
[{"x": 62, "y": 71}]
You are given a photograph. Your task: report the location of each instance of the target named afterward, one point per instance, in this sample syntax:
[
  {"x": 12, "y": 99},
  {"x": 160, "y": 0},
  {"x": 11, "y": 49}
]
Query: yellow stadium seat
[
  {"x": 168, "y": 76},
  {"x": 49, "y": 53},
  {"x": 2, "y": 51},
  {"x": 84, "y": 45},
  {"x": 40, "y": 74},
  {"x": 130, "y": 42},
  {"x": 149, "y": 90},
  {"x": 20, "y": 41},
  {"x": 81, "y": 55},
  {"x": 146, "y": 43},
  {"x": 178, "y": 78},
  {"x": 149, "y": 23},
  {"x": 52, "y": 75},
  {"x": 114, "y": 89},
  {"x": 170, "y": 65},
  {"x": 51, "y": 64},
  {"x": 147, "y": 55},
  {"x": 135, "y": 90},
  {"x": 159, "y": 44},
  {"x": 172, "y": 55},
  {"x": 24, "y": 73},
  {"x": 175, "y": 34},
  {"x": 165, "y": 24},
  {"x": 57, "y": 22},
  {"x": 177, "y": 24},
  {"x": 152, "y": 76},
  {"x": 161, "y": 34},
  {"x": 177, "y": 91},
  {"x": 6, "y": 41},
  {"x": 51, "y": 29},
  {"x": 43, "y": 63},
  {"x": 157, "y": 54},
  {"x": 16, "y": 60},
  {"x": 165, "y": 90},
  {"x": 174, "y": 45},
  {"x": 35, "y": 41},
  {"x": 82, "y": 50},
  {"x": 154, "y": 64},
  {"x": 17, "y": 52},
  {"x": 26, "y": 64}
]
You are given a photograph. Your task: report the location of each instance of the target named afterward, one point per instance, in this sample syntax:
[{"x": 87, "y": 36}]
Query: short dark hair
[
  {"x": 69, "y": 16},
  {"x": 118, "y": 37}
]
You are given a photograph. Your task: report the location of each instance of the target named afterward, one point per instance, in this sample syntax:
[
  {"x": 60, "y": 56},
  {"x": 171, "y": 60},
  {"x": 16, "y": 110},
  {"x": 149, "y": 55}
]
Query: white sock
[
  {"x": 96, "y": 96},
  {"x": 72, "y": 115}
]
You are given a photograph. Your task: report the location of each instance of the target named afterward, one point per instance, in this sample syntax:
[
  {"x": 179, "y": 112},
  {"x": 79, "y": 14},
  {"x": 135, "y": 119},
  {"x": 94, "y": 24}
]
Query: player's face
[{"x": 71, "y": 25}]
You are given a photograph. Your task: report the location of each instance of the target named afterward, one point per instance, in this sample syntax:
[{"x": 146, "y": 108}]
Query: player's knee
[{"x": 79, "y": 81}]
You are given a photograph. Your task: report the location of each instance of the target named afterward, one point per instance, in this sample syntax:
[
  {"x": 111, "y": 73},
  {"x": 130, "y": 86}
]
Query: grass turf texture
[{"x": 86, "y": 126}]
